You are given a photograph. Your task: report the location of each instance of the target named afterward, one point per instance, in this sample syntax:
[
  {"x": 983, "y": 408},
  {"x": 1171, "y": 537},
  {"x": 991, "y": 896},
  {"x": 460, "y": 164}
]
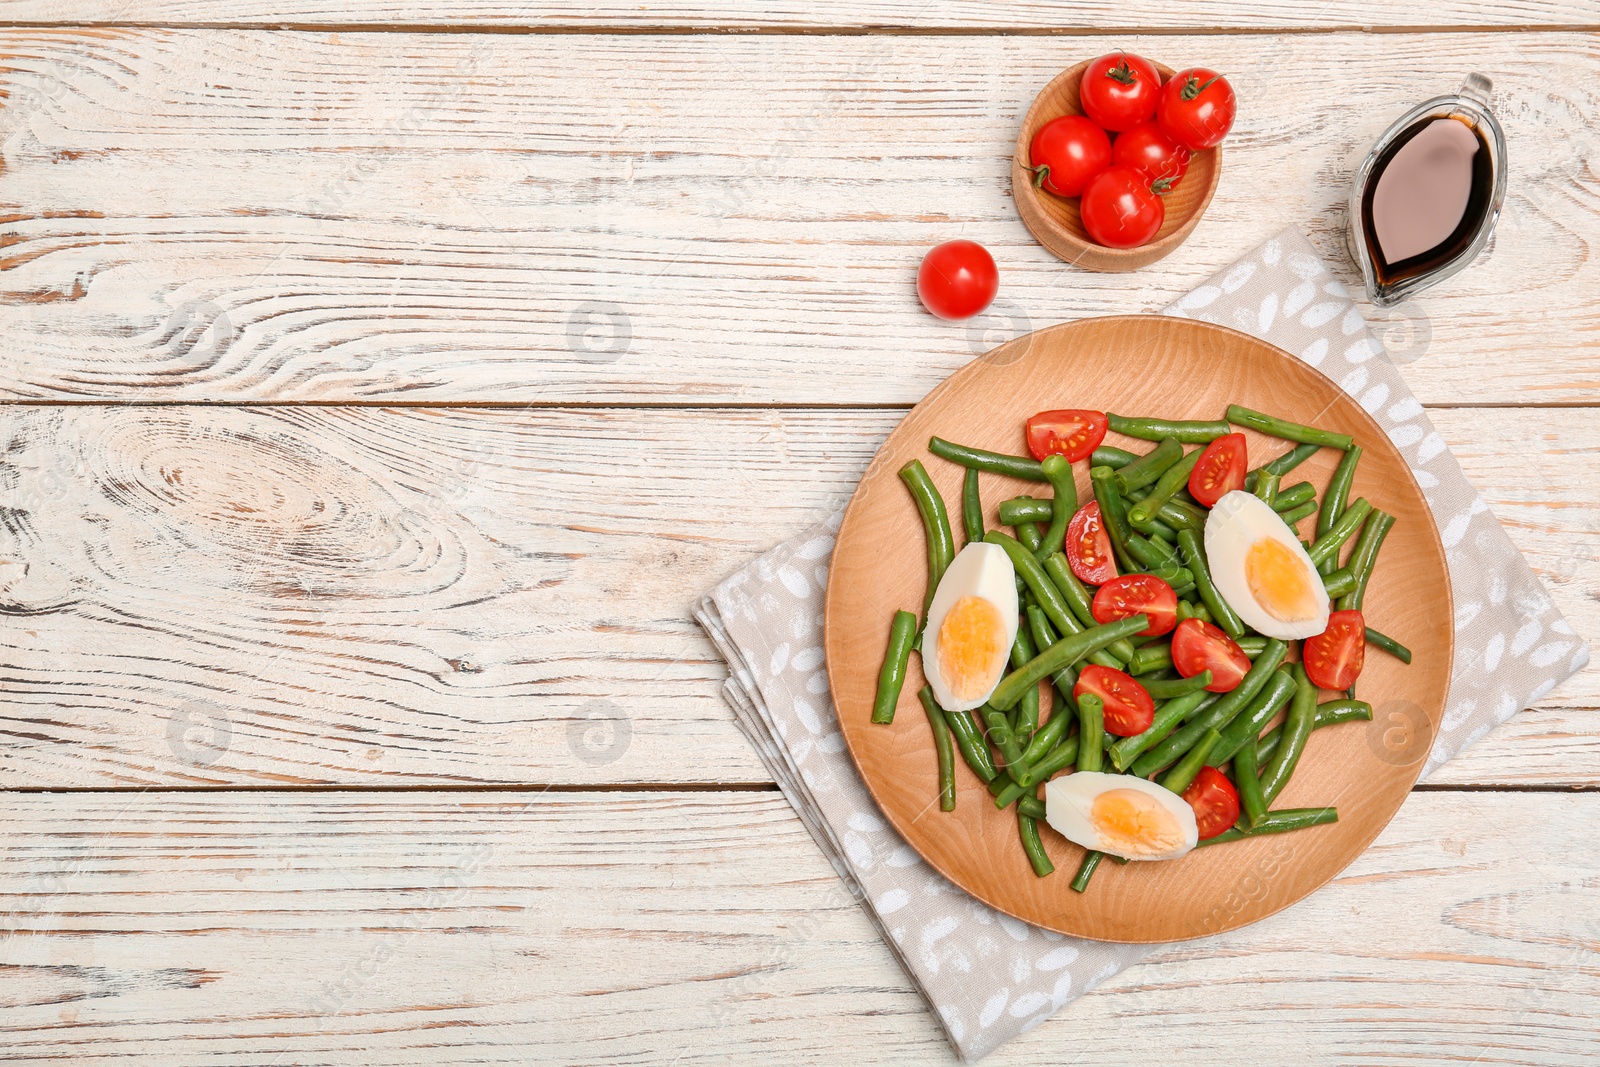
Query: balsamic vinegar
[{"x": 1426, "y": 197}]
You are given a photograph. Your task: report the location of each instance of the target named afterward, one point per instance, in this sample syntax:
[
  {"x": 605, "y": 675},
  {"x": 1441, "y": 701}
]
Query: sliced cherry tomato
[
  {"x": 1129, "y": 709},
  {"x": 1152, "y": 151},
  {"x": 1334, "y": 657},
  {"x": 1119, "y": 91},
  {"x": 1089, "y": 547},
  {"x": 1196, "y": 108},
  {"x": 1133, "y": 594},
  {"x": 1215, "y": 802},
  {"x": 1221, "y": 469},
  {"x": 957, "y": 279},
  {"x": 1072, "y": 433},
  {"x": 1066, "y": 153},
  {"x": 1121, "y": 209},
  {"x": 1198, "y": 646}
]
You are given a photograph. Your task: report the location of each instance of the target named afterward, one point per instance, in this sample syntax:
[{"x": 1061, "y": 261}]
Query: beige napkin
[{"x": 990, "y": 977}]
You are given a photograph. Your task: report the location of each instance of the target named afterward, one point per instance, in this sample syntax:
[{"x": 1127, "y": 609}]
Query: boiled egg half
[
  {"x": 1120, "y": 814},
  {"x": 972, "y": 624},
  {"x": 1262, "y": 570}
]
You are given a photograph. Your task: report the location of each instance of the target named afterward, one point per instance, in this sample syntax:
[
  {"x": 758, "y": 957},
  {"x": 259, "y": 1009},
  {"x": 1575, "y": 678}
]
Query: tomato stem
[
  {"x": 1161, "y": 186},
  {"x": 1121, "y": 72},
  {"x": 1040, "y": 173},
  {"x": 1192, "y": 88}
]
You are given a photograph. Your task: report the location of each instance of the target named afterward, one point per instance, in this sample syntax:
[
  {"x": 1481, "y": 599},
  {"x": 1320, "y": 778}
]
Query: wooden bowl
[
  {"x": 1054, "y": 221},
  {"x": 1175, "y": 368}
]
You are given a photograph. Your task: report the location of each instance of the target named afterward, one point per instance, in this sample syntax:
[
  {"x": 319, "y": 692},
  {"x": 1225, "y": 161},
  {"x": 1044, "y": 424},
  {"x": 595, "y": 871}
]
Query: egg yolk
[
  {"x": 971, "y": 647},
  {"x": 1279, "y": 582},
  {"x": 1134, "y": 823}
]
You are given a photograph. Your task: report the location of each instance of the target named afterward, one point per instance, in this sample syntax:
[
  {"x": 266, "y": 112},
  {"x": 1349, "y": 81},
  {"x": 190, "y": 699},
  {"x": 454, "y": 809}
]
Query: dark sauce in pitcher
[{"x": 1426, "y": 197}]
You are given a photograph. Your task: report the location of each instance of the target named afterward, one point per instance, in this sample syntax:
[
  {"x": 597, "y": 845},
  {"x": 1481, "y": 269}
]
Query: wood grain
[
  {"x": 661, "y": 929},
  {"x": 235, "y": 216},
  {"x": 412, "y": 596}
]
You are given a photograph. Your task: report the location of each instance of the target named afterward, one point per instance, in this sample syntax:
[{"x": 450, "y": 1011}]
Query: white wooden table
[{"x": 385, "y": 383}]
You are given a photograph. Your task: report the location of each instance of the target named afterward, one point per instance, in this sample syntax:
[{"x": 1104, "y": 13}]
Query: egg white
[
  {"x": 1236, "y": 522},
  {"x": 1069, "y": 802},
  {"x": 981, "y": 570}
]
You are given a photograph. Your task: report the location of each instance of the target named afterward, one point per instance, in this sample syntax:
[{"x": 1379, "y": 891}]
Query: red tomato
[
  {"x": 1120, "y": 209},
  {"x": 1135, "y": 593},
  {"x": 957, "y": 279},
  {"x": 1089, "y": 547},
  {"x": 1220, "y": 470},
  {"x": 1198, "y": 646},
  {"x": 1119, "y": 91},
  {"x": 1152, "y": 151},
  {"x": 1129, "y": 709},
  {"x": 1215, "y": 802},
  {"x": 1334, "y": 657},
  {"x": 1071, "y": 433},
  {"x": 1196, "y": 108},
  {"x": 1066, "y": 153}
]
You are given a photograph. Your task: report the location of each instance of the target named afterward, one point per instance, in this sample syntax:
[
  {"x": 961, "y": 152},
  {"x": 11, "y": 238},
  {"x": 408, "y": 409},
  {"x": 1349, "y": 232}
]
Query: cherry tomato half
[
  {"x": 1120, "y": 209},
  {"x": 1196, "y": 108},
  {"x": 1198, "y": 646},
  {"x": 1089, "y": 546},
  {"x": 957, "y": 279},
  {"x": 1220, "y": 470},
  {"x": 1129, "y": 709},
  {"x": 1135, "y": 593},
  {"x": 1334, "y": 657},
  {"x": 1215, "y": 802},
  {"x": 1152, "y": 151},
  {"x": 1119, "y": 91},
  {"x": 1066, "y": 153},
  {"x": 1071, "y": 433}
]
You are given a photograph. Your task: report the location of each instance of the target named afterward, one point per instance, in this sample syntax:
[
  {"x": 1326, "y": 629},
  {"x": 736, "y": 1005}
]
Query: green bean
[
  {"x": 1294, "y": 515},
  {"x": 1049, "y": 735},
  {"x": 1039, "y": 584},
  {"x": 1333, "y": 500},
  {"x": 1146, "y": 554},
  {"x": 1297, "y": 728},
  {"x": 1028, "y": 536},
  {"x": 1277, "y": 822},
  {"x": 971, "y": 506},
  {"x": 1186, "y": 432},
  {"x": 1063, "y": 653},
  {"x": 1170, "y": 483},
  {"x": 1027, "y": 714},
  {"x": 1247, "y": 726},
  {"x": 1338, "y": 582},
  {"x": 1292, "y": 497},
  {"x": 1025, "y": 509},
  {"x": 1365, "y": 556},
  {"x": 1266, "y": 488},
  {"x": 935, "y": 524},
  {"x": 1194, "y": 557},
  {"x": 1188, "y": 610},
  {"x": 1091, "y": 731},
  {"x": 892, "y": 675},
  {"x": 1080, "y": 881},
  {"x": 1107, "y": 456},
  {"x": 1283, "y": 464},
  {"x": 1289, "y": 431},
  {"x": 1153, "y": 658},
  {"x": 1156, "y": 528},
  {"x": 1032, "y": 807},
  {"x": 1248, "y": 781},
  {"x": 941, "y": 745},
  {"x": 1183, "y": 516},
  {"x": 1252, "y": 645},
  {"x": 1167, "y": 688},
  {"x": 1060, "y": 758},
  {"x": 993, "y": 462},
  {"x": 1183, "y": 772},
  {"x": 969, "y": 739},
  {"x": 1043, "y": 637},
  {"x": 1149, "y": 467},
  {"x": 1326, "y": 547},
  {"x": 1328, "y": 714},
  {"x": 1000, "y": 734},
  {"x": 1389, "y": 645},
  {"x": 1113, "y": 515},
  {"x": 1081, "y": 613},
  {"x": 1167, "y": 546},
  {"x": 1167, "y": 718},
  {"x": 1059, "y": 471},
  {"x": 1217, "y": 715},
  {"x": 1028, "y": 830}
]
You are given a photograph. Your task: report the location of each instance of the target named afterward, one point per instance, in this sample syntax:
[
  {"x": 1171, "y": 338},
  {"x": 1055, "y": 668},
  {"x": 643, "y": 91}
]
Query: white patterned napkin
[{"x": 990, "y": 977}]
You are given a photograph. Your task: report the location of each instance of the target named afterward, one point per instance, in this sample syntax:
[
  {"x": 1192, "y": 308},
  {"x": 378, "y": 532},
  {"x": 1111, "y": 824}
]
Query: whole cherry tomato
[
  {"x": 1215, "y": 802},
  {"x": 957, "y": 279},
  {"x": 1147, "y": 147},
  {"x": 1334, "y": 657},
  {"x": 1120, "y": 209},
  {"x": 1119, "y": 91},
  {"x": 1066, "y": 153},
  {"x": 1196, "y": 108}
]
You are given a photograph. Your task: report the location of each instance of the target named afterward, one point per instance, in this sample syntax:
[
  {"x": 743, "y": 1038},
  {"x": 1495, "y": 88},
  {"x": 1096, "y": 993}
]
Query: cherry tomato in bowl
[
  {"x": 1119, "y": 91},
  {"x": 1072, "y": 433},
  {"x": 1196, "y": 108},
  {"x": 957, "y": 279},
  {"x": 1128, "y": 707},
  {"x": 1066, "y": 153},
  {"x": 1199, "y": 646},
  {"x": 1120, "y": 209},
  {"x": 1135, "y": 594},
  {"x": 1148, "y": 148},
  {"x": 1089, "y": 546},
  {"x": 1334, "y": 657},
  {"x": 1220, "y": 469},
  {"x": 1215, "y": 802}
]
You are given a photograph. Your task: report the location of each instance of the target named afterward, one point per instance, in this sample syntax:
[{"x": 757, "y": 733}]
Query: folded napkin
[{"x": 988, "y": 976}]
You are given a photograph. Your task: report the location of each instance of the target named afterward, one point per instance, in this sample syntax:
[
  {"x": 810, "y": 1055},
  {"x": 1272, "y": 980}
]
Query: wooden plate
[{"x": 1175, "y": 368}]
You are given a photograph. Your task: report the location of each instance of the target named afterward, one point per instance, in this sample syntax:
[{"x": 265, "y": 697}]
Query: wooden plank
[
  {"x": 951, "y": 15},
  {"x": 242, "y": 216},
  {"x": 646, "y": 928},
  {"x": 204, "y": 595}
]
